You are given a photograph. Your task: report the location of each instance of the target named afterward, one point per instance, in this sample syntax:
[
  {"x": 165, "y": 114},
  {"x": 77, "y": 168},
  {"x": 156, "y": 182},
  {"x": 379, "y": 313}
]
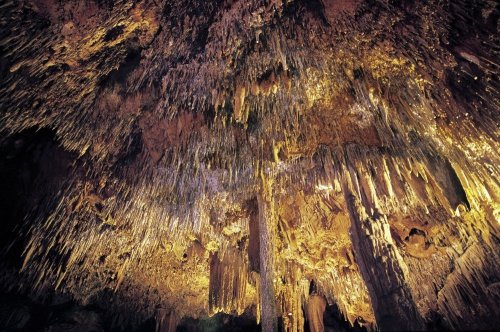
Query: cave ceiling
[{"x": 194, "y": 156}]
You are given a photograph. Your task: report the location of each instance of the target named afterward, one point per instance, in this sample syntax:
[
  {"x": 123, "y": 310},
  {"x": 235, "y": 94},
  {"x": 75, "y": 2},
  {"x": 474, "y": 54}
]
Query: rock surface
[{"x": 176, "y": 160}]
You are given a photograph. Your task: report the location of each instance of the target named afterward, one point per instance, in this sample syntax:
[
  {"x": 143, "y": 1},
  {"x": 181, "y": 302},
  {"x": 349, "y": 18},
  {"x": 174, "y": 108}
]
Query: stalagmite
[
  {"x": 315, "y": 309},
  {"x": 165, "y": 321},
  {"x": 267, "y": 237}
]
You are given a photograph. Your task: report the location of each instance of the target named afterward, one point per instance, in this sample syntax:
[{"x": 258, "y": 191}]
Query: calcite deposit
[{"x": 226, "y": 165}]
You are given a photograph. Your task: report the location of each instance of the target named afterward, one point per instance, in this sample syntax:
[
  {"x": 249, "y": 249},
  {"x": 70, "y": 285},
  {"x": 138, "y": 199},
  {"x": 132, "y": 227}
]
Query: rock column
[{"x": 267, "y": 229}]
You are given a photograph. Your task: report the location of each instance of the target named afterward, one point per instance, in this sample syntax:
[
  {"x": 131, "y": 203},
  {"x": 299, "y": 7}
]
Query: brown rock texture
[{"x": 196, "y": 164}]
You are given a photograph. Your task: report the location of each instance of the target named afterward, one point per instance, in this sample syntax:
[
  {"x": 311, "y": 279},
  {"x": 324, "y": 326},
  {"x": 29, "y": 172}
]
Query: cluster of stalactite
[{"x": 223, "y": 154}]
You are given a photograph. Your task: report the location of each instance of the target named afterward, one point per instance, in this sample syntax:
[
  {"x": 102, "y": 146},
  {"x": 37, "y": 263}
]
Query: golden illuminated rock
[{"x": 198, "y": 164}]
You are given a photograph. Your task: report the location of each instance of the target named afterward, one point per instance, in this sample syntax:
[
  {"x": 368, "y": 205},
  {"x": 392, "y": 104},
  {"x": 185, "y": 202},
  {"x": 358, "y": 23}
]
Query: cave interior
[{"x": 249, "y": 165}]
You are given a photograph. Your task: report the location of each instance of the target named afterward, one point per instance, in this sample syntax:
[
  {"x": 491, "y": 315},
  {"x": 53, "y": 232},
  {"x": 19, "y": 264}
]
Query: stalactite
[
  {"x": 228, "y": 283},
  {"x": 384, "y": 272},
  {"x": 211, "y": 158}
]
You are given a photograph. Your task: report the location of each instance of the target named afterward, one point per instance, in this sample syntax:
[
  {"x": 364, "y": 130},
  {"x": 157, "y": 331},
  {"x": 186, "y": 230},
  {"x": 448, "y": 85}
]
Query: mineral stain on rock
[{"x": 199, "y": 165}]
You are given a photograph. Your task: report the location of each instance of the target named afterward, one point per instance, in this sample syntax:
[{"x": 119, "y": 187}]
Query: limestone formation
[{"x": 194, "y": 165}]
